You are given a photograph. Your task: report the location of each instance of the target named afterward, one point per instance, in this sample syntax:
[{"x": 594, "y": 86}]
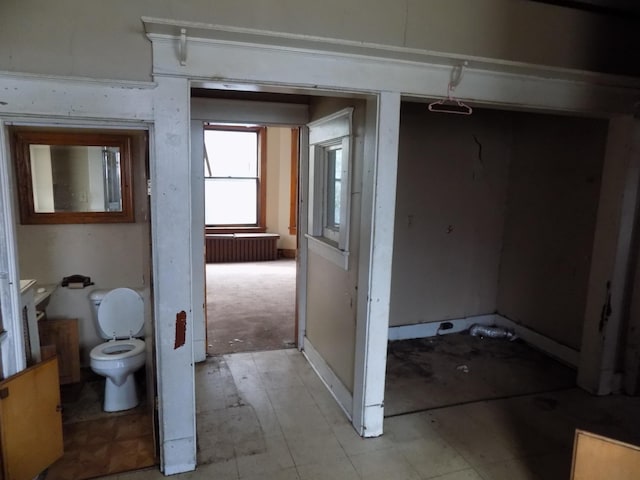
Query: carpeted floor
[
  {"x": 250, "y": 306},
  {"x": 447, "y": 370}
]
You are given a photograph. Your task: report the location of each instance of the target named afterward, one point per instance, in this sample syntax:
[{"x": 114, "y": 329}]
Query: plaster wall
[
  {"x": 278, "y": 187},
  {"x": 452, "y": 188},
  {"x": 113, "y": 255},
  {"x": 331, "y": 290},
  {"x": 496, "y": 212},
  {"x": 61, "y": 38},
  {"x": 554, "y": 188}
]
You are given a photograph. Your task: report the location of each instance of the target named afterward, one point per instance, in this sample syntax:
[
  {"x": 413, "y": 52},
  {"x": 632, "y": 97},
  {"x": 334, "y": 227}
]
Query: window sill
[
  {"x": 209, "y": 230},
  {"x": 328, "y": 251}
]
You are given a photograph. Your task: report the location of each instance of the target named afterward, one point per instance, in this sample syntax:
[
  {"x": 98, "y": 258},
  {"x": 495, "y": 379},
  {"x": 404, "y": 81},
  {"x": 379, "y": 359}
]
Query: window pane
[
  {"x": 230, "y": 201},
  {"x": 334, "y": 187},
  {"x": 231, "y": 154}
]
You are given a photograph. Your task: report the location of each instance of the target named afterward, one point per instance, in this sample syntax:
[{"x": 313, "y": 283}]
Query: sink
[
  {"x": 26, "y": 285},
  {"x": 43, "y": 295}
]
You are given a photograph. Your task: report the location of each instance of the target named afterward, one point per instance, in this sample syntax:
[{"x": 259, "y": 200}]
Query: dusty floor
[
  {"x": 96, "y": 442},
  {"x": 453, "y": 369},
  {"x": 266, "y": 415},
  {"x": 250, "y": 306}
]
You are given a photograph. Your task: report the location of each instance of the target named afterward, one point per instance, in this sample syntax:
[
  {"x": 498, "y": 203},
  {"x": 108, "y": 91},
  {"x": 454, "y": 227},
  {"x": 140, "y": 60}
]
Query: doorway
[{"x": 250, "y": 213}]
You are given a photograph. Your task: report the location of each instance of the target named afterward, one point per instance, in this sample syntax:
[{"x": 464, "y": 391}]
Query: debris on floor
[
  {"x": 483, "y": 331},
  {"x": 463, "y": 368}
]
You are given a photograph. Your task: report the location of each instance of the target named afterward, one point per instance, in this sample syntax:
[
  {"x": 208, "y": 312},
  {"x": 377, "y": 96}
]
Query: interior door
[{"x": 30, "y": 421}]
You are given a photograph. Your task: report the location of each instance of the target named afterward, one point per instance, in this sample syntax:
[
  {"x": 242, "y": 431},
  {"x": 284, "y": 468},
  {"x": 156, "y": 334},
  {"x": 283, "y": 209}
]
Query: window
[
  {"x": 329, "y": 186},
  {"x": 332, "y": 190},
  {"x": 234, "y": 188}
]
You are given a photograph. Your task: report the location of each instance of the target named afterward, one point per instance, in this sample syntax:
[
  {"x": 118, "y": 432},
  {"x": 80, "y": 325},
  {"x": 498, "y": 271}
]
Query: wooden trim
[
  {"x": 293, "y": 184},
  {"x": 262, "y": 177},
  {"x": 287, "y": 253},
  {"x": 22, "y": 138},
  {"x": 234, "y": 229},
  {"x": 261, "y": 213}
]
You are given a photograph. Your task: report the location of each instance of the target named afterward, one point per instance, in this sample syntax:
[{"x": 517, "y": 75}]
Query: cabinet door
[
  {"x": 30, "y": 421},
  {"x": 63, "y": 333}
]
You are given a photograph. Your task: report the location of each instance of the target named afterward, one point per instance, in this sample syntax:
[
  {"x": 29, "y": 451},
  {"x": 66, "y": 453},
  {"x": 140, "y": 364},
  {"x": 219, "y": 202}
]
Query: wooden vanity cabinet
[{"x": 63, "y": 333}]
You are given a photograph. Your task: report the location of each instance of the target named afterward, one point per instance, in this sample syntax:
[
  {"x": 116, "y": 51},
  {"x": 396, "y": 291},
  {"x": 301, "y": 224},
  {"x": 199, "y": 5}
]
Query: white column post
[
  {"x": 171, "y": 237},
  {"x": 378, "y": 213},
  {"x": 608, "y": 289}
]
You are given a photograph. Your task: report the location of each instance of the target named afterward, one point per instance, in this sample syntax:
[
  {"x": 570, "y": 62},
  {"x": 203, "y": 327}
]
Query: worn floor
[
  {"x": 250, "y": 306},
  {"x": 267, "y": 416},
  {"x": 453, "y": 369},
  {"x": 96, "y": 442}
]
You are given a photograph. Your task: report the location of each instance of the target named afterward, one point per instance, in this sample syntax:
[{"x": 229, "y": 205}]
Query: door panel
[{"x": 30, "y": 421}]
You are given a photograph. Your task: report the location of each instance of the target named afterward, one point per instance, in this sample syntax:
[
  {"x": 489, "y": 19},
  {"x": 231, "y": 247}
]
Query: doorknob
[
  {"x": 4, "y": 393},
  {"x": 58, "y": 408}
]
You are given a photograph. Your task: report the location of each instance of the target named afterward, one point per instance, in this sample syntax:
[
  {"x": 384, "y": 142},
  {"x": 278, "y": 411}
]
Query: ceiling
[{"x": 621, "y": 8}]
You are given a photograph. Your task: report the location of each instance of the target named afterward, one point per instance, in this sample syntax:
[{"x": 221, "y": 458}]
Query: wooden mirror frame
[{"x": 22, "y": 138}]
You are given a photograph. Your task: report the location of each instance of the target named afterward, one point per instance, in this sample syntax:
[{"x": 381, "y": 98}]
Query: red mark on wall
[{"x": 181, "y": 329}]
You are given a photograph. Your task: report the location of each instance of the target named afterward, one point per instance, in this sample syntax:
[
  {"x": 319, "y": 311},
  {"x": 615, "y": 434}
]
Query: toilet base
[{"x": 118, "y": 398}]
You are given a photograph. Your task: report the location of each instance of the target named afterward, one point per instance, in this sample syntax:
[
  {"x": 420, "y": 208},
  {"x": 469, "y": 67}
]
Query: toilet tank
[{"x": 95, "y": 297}]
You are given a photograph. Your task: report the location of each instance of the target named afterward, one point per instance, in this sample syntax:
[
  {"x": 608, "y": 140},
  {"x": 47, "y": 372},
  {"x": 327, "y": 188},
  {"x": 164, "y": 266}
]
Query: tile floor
[{"x": 267, "y": 416}]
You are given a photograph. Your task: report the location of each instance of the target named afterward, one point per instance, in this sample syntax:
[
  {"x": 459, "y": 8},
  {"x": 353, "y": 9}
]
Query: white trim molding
[
  {"x": 280, "y": 59},
  {"x": 338, "y": 390}
]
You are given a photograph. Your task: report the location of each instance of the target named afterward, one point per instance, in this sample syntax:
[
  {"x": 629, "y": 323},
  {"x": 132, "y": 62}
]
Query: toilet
[{"x": 119, "y": 316}]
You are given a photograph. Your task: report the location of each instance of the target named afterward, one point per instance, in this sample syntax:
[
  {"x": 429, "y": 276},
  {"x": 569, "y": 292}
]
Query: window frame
[
  {"x": 326, "y": 134},
  {"x": 261, "y": 184}
]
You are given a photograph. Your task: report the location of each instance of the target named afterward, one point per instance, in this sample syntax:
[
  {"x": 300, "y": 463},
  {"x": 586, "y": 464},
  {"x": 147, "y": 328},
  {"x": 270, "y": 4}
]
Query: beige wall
[
  {"x": 278, "y": 185},
  {"x": 332, "y": 291},
  {"x": 449, "y": 214},
  {"x": 508, "y": 228},
  {"x": 554, "y": 186},
  {"x": 113, "y": 255},
  {"x": 62, "y": 37}
]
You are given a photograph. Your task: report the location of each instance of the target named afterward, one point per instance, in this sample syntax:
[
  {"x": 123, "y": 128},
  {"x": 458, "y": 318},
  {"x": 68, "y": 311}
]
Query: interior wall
[
  {"x": 554, "y": 186},
  {"x": 331, "y": 290},
  {"x": 63, "y": 36},
  {"x": 278, "y": 186},
  {"x": 452, "y": 187},
  {"x": 113, "y": 255}
]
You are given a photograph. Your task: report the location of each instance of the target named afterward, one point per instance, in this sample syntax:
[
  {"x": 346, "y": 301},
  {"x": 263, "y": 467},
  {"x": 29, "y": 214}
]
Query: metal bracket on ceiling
[{"x": 182, "y": 52}]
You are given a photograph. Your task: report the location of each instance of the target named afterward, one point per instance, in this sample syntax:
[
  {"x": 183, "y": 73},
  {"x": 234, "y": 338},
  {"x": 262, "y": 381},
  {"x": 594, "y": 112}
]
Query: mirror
[{"x": 73, "y": 176}]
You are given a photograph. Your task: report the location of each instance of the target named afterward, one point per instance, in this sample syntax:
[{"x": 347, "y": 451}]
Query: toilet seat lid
[{"x": 121, "y": 313}]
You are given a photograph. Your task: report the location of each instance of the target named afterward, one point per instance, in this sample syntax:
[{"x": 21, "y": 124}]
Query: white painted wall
[
  {"x": 113, "y": 255},
  {"x": 61, "y": 38}
]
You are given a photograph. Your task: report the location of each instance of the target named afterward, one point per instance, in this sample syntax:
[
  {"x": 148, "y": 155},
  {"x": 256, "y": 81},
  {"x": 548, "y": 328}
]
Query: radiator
[{"x": 241, "y": 247}]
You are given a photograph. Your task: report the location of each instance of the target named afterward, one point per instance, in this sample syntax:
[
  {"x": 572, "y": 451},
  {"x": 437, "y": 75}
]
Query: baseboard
[
  {"x": 552, "y": 348},
  {"x": 432, "y": 329},
  {"x": 287, "y": 253},
  {"x": 336, "y": 387}
]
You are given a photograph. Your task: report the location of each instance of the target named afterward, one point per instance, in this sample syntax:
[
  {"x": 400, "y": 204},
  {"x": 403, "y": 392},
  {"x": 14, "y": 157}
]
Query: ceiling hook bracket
[{"x": 183, "y": 47}]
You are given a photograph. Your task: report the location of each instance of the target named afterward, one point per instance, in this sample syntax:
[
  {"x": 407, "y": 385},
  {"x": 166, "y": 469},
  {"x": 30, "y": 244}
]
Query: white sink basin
[{"x": 26, "y": 285}]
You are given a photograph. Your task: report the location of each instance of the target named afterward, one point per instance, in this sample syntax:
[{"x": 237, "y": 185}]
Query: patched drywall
[
  {"x": 452, "y": 186},
  {"x": 554, "y": 186},
  {"x": 496, "y": 212}
]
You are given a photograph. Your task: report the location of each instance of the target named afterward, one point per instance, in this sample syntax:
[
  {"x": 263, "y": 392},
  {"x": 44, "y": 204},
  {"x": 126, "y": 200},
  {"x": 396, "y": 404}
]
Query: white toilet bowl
[
  {"x": 118, "y": 360},
  {"x": 120, "y": 318}
]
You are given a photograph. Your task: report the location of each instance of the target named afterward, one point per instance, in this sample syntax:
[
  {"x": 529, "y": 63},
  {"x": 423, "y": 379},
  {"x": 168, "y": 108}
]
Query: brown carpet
[
  {"x": 250, "y": 306},
  {"x": 457, "y": 368}
]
